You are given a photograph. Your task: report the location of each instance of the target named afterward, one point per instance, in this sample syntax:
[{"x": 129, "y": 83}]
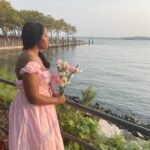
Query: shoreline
[
  {"x": 128, "y": 116},
  {"x": 109, "y": 129},
  {"x": 121, "y": 115},
  {"x": 53, "y": 45}
]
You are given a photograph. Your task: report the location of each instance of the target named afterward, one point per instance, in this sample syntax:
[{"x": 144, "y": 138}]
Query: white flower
[
  {"x": 81, "y": 70},
  {"x": 65, "y": 72}
]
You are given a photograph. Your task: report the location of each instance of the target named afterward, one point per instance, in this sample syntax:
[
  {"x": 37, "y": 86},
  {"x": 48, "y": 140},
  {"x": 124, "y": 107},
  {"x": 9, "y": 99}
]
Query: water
[{"x": 118, "y": 70}]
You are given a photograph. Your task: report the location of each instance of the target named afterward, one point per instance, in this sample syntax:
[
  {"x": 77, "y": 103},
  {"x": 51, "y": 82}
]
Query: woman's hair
[
  {"x": 31, "y": 35},
  {"x": 44, "y": 60}
]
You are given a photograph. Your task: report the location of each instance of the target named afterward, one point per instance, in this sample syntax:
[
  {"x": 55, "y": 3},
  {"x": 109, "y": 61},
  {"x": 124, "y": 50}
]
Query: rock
[
  {"x": 74, "y": 99},
  {"x": 128, "y": 135},
  {"x": 140, "y": 135},
  {"x": 107, "y": 129}
]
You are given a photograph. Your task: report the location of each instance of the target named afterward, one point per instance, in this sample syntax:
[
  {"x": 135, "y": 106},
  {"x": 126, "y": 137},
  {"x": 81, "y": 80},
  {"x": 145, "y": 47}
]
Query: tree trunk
[
  {"x": 57, "y": 35},
  {"x": 68, "y": 38},
  {"x": 51, "y": 34},
  {"x": 7, "y": 37}
]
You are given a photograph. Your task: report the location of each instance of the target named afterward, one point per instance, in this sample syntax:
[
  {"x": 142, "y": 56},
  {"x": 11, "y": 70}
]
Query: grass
[{"x": 7, "y": 92}]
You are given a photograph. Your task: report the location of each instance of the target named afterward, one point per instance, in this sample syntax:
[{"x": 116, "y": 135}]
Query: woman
[{"x": 33, "y": 123}]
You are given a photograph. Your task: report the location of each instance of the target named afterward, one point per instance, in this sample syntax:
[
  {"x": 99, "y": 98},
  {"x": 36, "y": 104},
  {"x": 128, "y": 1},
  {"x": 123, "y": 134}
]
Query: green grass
[{"x": 7, "y": 92}]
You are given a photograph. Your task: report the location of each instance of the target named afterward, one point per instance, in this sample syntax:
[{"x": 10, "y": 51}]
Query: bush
[
  {"x": 7, "y": 92},
  {"x": 87, "y": 95},
  {"x": 85, "y": 127},
  {"x": 78, "y": 123}
]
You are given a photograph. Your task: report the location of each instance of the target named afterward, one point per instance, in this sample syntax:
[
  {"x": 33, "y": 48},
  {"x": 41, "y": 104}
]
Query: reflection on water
[{"x": 9, "y": 57}]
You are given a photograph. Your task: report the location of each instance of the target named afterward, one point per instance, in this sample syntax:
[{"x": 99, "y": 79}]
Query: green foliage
[
  {"x": 72, "y": 146},
  {"x": 12, "y": 20},
  {"x": 6, "y": 74},
  {"x": 83, "y": 126},
  {"x": 76, "y": 122},
  {"x": 7, "y": 92},
  {"x": 87, "y": 95},
  {"x": 118, "y": 142},
  {"x": 145, "y": 145}
]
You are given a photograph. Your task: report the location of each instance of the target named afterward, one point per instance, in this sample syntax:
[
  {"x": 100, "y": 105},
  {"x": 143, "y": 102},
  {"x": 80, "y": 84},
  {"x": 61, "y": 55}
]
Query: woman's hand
[{"x": 61, "y": 99}]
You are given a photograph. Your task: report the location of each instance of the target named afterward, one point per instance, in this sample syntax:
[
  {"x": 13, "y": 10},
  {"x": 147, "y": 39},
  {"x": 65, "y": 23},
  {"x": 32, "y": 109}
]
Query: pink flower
[
  {"x": 56, "y": 79},
  {"x": 58, "y": 62},
  {"x": 72, "y": 69}
]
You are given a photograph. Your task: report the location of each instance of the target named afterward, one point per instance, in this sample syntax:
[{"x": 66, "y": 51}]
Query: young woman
[{"x": 33, "y": 122}]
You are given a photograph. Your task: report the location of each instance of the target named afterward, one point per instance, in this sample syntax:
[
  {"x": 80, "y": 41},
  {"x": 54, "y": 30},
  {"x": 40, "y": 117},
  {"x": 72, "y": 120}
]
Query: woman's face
[{"x": 44, "y": 42}]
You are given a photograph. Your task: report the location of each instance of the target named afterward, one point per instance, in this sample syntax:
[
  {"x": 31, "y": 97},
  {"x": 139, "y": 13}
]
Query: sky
[{"x": 96, "y": 18}]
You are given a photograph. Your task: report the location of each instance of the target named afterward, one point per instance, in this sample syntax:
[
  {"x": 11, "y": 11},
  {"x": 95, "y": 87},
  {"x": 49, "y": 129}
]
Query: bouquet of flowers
[{"x": 65, "y": 72}]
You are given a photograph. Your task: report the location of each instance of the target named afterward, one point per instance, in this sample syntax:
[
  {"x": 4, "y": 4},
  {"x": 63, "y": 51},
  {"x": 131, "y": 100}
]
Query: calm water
[{"x": 118, "y": 70}]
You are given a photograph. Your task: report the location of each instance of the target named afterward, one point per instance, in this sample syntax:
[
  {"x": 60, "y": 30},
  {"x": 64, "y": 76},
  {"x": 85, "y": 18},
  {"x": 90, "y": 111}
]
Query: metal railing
[{"x": 128, "y": 125}]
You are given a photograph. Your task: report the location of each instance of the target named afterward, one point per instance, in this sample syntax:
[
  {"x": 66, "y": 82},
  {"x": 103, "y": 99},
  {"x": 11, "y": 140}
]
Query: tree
[
  {"x": 59, "y": 26},
  {"x": 67, "y": 29},
  {"x": 73, "y": 30},
  {"x": 12, "y": 21},
  {"x": 49, "y": 24},
  {"x": 5, "y": 18},
  {"x": 31, "y": 15},
  {"x": 17, "y": 23}
]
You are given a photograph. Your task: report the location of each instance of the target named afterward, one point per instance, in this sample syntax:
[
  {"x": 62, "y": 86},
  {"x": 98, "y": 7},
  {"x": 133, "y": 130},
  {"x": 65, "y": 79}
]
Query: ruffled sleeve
[{"x": 31, "y": 67}]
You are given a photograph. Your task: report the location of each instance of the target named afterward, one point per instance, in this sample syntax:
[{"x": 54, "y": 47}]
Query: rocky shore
[{"x": 109, "y": 129}]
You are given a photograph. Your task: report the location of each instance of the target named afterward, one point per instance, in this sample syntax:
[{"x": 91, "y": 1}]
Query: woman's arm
[{"x": 31, "y": 86}]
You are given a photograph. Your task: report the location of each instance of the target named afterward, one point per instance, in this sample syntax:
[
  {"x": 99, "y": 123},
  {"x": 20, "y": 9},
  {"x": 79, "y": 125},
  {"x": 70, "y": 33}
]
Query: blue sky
[{"x": 104, "y": 18}]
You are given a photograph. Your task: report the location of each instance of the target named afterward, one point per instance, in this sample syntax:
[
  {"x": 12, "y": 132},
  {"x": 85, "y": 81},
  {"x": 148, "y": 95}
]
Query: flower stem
[{"x": 61, "y": 90}]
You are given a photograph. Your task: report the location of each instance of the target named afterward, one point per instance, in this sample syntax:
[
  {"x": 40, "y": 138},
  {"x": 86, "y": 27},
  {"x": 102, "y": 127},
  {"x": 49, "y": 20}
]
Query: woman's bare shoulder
[{"x": 22, "y": 60}]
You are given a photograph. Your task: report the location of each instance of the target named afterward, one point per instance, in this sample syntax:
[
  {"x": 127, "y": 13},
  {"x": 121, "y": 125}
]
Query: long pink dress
[{"x": 34, "y": 127}]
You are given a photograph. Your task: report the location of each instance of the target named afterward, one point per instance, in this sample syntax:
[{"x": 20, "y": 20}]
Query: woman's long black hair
[{"x": 31, "y": 35}]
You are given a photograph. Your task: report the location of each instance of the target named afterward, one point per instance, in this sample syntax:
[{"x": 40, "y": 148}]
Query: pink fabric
[
  {"x": 34, "y": 127},
  {"x": 55, "y": 81}
]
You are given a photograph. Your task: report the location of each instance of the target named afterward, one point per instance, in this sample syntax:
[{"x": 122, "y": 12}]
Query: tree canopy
[{"x": 12, "y": 21}]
